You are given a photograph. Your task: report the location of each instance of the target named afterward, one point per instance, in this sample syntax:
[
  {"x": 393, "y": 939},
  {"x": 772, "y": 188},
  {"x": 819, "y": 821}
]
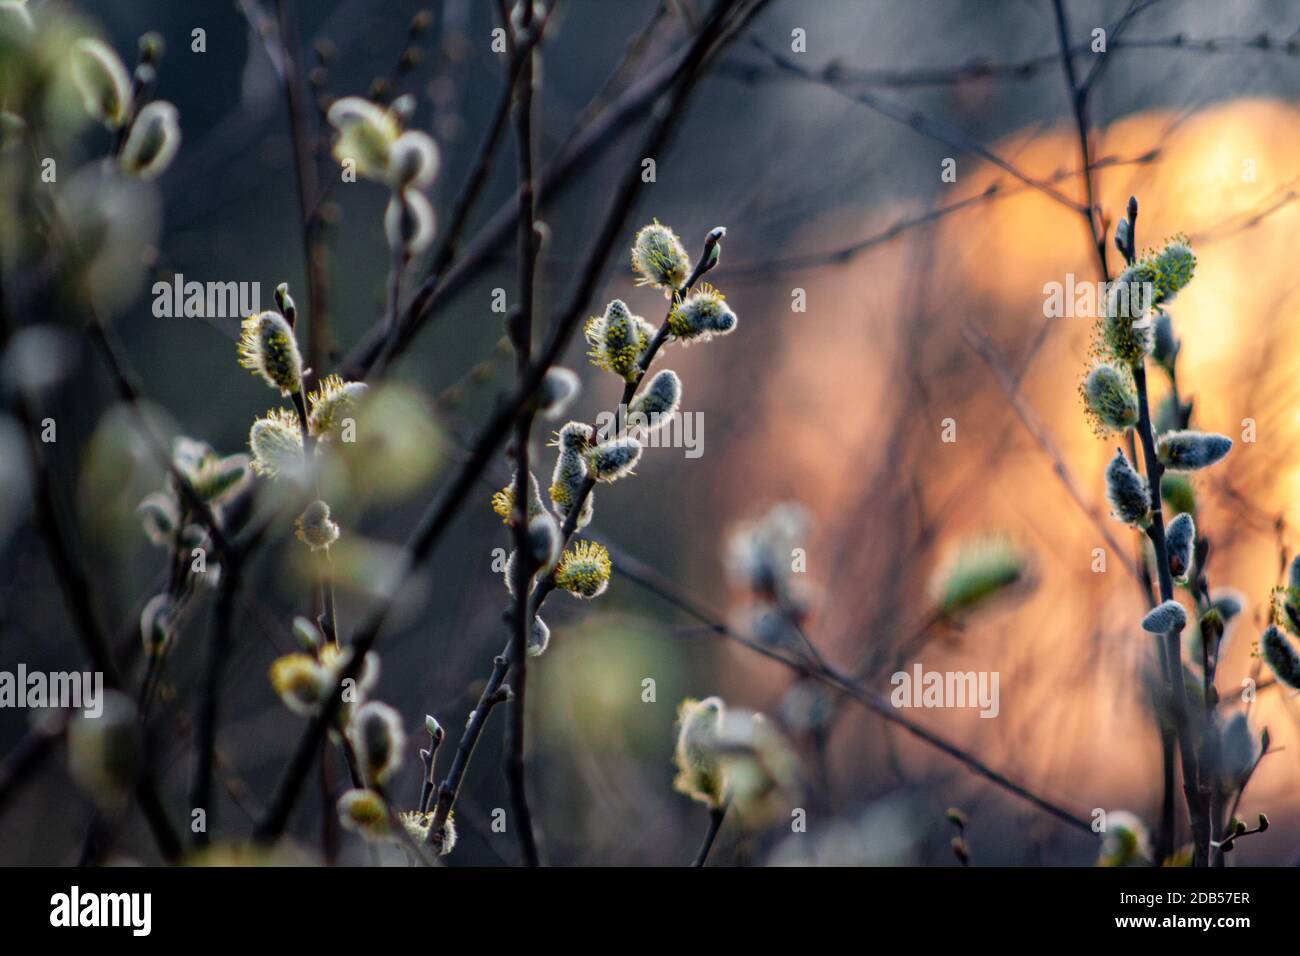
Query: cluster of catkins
[
  {"x": 148, "y": 131},
  {"x": 619, "y": 342},
  {"x": 1136, "y": 325},
  {"x": 370, "y": 731},
  {"x": 170, "y": 522},
  {"x": 269, "y": 349},
  {"x": 372, "y": 143}
]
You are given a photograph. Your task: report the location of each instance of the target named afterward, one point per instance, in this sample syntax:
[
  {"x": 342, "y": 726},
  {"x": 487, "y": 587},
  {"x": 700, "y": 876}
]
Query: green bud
[
  {"x": 978, "y": 570},
  {"x": 267, "y": 347},
  {"x": 1178, "y": 493}
]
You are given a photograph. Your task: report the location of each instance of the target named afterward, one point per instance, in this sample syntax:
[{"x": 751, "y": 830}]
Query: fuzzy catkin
[
  {"x": 1127, "y": 492},
  {"x": 655, "y": 405},
  {"x": 1165, "y": 617},
  {"x": 1191, "y": 450},
  {"x": 1111, "y": 396},
  {"x": 1180, "y": 537},
  {"x": 1281, "y": 657}
]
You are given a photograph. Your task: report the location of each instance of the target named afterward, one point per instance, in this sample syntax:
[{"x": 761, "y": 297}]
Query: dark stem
[
  {"x": 449, "y": 789},
  {"x": 716, "y": 816},
  {"x": 522, "y": 336},
  {"x": 1196, "y": 806},
  {"x": 307, "y": 189},
  {"x": 206, "y": 742}
]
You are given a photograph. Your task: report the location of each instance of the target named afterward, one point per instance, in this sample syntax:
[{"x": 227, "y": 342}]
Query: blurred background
[{"x": 861, "y": 279}]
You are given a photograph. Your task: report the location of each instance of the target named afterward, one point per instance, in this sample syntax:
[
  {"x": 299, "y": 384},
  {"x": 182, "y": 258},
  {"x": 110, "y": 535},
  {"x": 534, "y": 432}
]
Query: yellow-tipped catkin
[
  {"x": 1110, "y": 396},
  {"x": 366, "y": 135},
  {"x": 267, "y": 347},
  {"x": 332, "y": 404},
  {"x": 659, "y": 258},
  {"x": 276, "y": 443},
  {"x": 618, "y": 339},
  {"x": 503, "y": 502},
  {"x": 364, "y": 812},
  {"x": 570, "y": 473},
  {"x": 703, "y": 314},
  {"x": 584, "y": 570},
  {"x": 700, "y": 775},
  {"x": 300, "y": 681}
]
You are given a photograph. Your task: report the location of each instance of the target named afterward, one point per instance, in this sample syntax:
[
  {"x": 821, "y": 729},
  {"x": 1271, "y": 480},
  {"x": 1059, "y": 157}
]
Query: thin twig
[
  {"x": 934, "y": 129},
  {"x": 307, "y": 188},
  {"x": 716, "y": 816},
  {"x": 983, "y": 346},
  {"x": 650, "y": 579}
]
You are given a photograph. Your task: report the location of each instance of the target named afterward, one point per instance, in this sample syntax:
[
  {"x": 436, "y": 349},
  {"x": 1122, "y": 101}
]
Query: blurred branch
[
  {"x": 933, "y": 129},
  {"x": 983, "y": 347},
  {"x": 304, "y": 162},
  {"x": 217, "y": 652},
  {"x": 1029, "y": 68},
  {"x": 1233, "y": 225},
  {"x": 650, "y": 579},
  {"x": 466, "y": 200},
  {"x": 994, "y": 192}
]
